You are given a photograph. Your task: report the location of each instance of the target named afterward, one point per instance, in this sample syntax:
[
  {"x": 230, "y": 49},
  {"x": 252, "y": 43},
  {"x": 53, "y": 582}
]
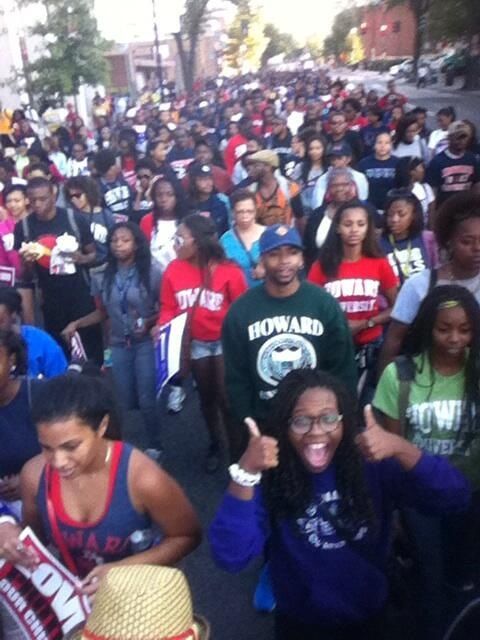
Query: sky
[{"x": 129, "y": 21}]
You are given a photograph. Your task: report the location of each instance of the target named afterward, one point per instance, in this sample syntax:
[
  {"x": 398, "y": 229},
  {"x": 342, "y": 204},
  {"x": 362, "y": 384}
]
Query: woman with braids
[
  {"x": 322, "y": 497},
  {"x": 457, "y": 231},
  {"x": 410, "y": 174},
  {"x": 431, "y": 396},
  {"x": 408, "y": 246},
  {"x": 126, "y": 293},
  {"x": 203, "y": 283}
]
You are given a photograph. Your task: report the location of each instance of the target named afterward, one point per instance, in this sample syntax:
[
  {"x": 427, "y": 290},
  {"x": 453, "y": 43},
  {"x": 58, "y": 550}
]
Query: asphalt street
[
  {"x": 224, "y": 599},
  {"x": 433, "y": 97}
]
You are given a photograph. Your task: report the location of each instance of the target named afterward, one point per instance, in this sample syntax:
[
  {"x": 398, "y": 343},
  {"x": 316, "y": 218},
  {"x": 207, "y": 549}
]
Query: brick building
[
  {"x": 132, "y": 65},
  {"x": 387, "y": 32}
]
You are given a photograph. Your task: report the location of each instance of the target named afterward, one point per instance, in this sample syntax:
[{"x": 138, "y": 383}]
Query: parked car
[{"x": 402, "y": 69}]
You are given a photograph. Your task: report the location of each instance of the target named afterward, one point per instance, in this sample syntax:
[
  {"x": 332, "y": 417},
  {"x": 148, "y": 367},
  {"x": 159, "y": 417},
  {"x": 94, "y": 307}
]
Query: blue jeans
[{"x": 133, "y": 370}]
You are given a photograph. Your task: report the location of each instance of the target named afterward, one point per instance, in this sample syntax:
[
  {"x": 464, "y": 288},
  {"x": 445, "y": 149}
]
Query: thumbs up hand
[
  {"x": 262, "y": 451},
  {"x": 374, "y": 442}
]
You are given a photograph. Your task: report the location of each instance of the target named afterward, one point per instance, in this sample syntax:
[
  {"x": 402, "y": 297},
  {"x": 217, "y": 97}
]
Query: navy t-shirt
[
  {"x": 380, "y": 175},
  {"x": 216, "y": 209},
  {"x": 450, "y": 174},
  {"x": 369, "y": 135},
  {"x": 18, "y": 436},
  {"x": 409, "y": 256}
]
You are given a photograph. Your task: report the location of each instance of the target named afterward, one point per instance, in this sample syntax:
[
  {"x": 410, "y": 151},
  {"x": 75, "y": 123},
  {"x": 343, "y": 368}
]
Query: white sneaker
[{"x": 176, "y": 398}]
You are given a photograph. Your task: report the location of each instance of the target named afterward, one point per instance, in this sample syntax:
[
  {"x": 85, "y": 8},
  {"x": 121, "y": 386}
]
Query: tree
[
  {"x": 355, "y": 46},
  {"x": 278, "y": 42},
  {"x": 452, "y": 19},
  {"x": 72, "y": 51},
  {"x": 455, "y": 19},
  {"x": 338, "y": 42},
  {"x": 246, "y": 39},
  {"x": 314, "y": 47},
  {"x": 192, "y": 23}
]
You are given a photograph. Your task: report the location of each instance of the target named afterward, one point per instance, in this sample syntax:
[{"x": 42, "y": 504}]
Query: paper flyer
[{"x": 46, "y": 602}]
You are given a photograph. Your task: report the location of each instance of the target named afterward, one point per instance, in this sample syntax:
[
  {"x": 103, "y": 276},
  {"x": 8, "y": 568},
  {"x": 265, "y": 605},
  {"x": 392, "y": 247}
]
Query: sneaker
[
  {"x": 176, "y": 398},
  {"x": 263, "y": 598},
  {"x": 155, "y": 454}
]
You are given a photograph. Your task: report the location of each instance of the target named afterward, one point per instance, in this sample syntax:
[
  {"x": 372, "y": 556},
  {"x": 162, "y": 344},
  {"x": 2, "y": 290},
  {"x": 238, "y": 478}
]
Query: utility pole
[{"x": 158, "y": 57}]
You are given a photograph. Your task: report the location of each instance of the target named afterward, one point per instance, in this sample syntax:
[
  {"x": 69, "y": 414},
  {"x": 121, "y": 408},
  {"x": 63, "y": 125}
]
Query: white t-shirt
[
  {"x": 322, "y": 231},
  {"x": 415, "y": 289},
  {"x": 162, "y": 242},
  {"x": 416, "y": 149},
  {"x": 424, "y": 193},
  {"x": 438, "y": 141}
]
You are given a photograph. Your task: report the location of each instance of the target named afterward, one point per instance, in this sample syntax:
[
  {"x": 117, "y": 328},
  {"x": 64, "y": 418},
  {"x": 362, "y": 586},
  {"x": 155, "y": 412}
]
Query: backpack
[
  {"x": 71, "y": 221},
  {"x": 405, "y": 373},
  {"x": 73, "y": 228}
]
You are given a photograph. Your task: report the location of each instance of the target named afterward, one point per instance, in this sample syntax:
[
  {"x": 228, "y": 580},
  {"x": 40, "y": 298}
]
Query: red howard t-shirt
[
  {"x": 182, "y": 284},
  {"x": 356, "y": 288}
]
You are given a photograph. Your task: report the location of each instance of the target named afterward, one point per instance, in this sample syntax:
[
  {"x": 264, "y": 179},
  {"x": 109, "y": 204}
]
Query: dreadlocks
[{"x": 288, "y": 488}]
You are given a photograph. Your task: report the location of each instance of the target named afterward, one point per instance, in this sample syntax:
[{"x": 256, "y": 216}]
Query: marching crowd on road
[{"x": 324, "y": 245}]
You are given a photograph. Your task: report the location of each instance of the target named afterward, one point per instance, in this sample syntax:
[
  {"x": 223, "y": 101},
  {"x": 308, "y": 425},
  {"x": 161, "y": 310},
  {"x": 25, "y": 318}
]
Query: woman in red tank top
[{"x": 87, "y": 494}]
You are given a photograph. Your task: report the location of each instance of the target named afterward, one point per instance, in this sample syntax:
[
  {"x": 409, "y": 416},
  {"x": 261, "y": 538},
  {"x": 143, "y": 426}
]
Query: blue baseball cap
[{"x": 279, "y": 235}]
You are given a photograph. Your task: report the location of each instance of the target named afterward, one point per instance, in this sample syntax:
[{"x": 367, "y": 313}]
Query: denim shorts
[{"x": 204, "y": 349}]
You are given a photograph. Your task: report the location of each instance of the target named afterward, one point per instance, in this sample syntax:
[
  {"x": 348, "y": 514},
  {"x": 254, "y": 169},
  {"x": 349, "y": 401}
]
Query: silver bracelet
[
  {"x": 10, "y": 519},
  {"x": 244, "y": 478}
]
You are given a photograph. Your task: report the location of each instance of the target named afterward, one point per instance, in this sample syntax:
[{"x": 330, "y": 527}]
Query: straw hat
[{"x": 144, "y": 602}]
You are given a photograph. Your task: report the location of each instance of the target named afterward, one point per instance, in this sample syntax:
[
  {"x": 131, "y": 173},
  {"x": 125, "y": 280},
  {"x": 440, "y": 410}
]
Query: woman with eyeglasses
[
  {"x": 204, "y": 284},
  {"x": 408, "y": 246},
  {"x": 320, "y": 496},
  {"x": 84, "y": 196},
  {"x": 341, "y": 188}
]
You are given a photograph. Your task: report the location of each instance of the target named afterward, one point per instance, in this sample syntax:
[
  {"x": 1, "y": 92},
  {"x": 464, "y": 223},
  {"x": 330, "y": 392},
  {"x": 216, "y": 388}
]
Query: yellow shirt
[{"x": 5, "y": 122}]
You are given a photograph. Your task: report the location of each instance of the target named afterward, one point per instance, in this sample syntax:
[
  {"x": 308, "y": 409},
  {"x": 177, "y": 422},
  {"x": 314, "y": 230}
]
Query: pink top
[{"x": 8, "y": 256}]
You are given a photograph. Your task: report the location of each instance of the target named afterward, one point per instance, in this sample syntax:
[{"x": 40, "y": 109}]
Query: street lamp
[{"x": 158, "y": 57}]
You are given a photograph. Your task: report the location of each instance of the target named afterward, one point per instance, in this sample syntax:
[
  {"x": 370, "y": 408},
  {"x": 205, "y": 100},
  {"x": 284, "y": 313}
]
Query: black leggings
[{"x": 209, "y": 374}]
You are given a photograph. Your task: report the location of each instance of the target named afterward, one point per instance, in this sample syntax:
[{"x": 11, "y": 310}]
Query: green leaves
[{"x": 72, "y": 50}]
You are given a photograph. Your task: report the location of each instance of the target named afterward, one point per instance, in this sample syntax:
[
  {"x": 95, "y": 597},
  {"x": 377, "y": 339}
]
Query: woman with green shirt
[{"x": 432, "y": 397}]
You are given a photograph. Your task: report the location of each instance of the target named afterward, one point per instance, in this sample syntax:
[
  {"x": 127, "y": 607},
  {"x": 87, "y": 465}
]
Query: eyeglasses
[
  {"x": 179, "y": 241},
  {"x": 75, "y": 195},
  {"x": 301, "y": 425}
]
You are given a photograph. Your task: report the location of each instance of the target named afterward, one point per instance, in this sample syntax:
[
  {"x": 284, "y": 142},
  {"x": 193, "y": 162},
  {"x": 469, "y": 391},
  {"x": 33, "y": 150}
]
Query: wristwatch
[
  {"x": 370, "y": 323},
  {"x": 242, "y": 477}
]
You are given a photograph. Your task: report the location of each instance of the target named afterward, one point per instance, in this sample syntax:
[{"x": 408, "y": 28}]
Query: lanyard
[
  {"x": 405, "y": 268},
  {"x": 123, "y": 285}
]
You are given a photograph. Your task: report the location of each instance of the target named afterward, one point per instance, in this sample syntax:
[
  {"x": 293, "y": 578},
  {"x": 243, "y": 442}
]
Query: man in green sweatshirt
[{"x": 284, "y": 324}]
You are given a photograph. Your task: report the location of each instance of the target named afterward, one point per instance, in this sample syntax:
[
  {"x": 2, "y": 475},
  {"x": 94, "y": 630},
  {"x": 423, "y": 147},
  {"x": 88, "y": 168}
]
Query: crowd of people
[{"x": 325, "y": 247}]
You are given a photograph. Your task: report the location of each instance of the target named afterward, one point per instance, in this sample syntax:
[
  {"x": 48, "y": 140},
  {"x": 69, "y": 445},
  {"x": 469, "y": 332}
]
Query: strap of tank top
[{"x": 52, "y": 518}]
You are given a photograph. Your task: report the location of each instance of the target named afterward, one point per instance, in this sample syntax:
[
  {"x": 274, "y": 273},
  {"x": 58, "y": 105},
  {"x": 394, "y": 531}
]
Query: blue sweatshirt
[{"x": 318, "y": 577}]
